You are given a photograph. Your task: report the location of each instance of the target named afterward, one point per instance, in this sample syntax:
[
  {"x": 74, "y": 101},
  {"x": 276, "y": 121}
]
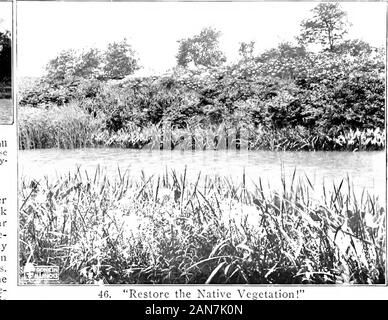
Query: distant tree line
[
  {"x": 116, "y": 62},
  {"x": 326, "y": 28}
]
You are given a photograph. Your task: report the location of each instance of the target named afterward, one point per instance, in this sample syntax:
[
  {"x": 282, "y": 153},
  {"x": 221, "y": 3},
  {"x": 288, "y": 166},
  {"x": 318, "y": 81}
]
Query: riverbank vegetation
[
  {"x": 207, "y": 229},
  {"x": 166, "y": 229},
  {"x": 286, "y": 98},
  {"x": 71, "y": 127}
]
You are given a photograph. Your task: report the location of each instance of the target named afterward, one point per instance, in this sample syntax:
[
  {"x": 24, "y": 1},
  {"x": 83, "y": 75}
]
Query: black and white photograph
[
  {"x": 6, "y": 108},
  {"x": 200, "y": 142}
]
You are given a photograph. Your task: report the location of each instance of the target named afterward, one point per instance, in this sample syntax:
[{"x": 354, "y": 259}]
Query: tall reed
[
  {"x": 66, "y": 127},
  {"x": 171, "y": 229},
  {"x": 70, "y": 126}
]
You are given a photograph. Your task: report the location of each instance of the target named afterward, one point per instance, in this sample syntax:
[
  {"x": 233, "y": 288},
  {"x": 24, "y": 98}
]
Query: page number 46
[{"x": 104, "y": 294}]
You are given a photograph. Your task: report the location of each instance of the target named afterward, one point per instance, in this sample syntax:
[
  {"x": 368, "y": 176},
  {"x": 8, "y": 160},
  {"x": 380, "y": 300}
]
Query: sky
[
  {"x": 153, "y": 28},
  {"x": 5, "y": 16}
]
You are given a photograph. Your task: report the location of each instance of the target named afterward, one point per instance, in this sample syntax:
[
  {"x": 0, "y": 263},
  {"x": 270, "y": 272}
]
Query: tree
[
  {"x": 89, "y": 64},
  {"x": 355, "y": 47},
  {"x": 284, "y": 62},
  {"x": 120, "y": 60},
  {"x": 246, "y": 50},
  {"x": 202, "y": 50},
  {"x": 74, "y": 64},
  {"x": 63, "y": 66},
  {"x": 327, "y": 26},
  {"x": 5, "y": 56},
  {"x": 116, "y": 62}
]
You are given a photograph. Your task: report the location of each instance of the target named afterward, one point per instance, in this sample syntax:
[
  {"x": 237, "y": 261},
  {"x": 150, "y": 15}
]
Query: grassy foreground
[{"x": 167, "y": 230}]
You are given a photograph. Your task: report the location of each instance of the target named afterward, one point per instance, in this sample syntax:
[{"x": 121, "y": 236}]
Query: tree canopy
[
  {"x": 120, "y": 60},
  {"x": 326, "y": 27},
  {"x": 116, "y": 62},
  {"x": 246, "y": 50},
  {"x": 201, "y": 49}
]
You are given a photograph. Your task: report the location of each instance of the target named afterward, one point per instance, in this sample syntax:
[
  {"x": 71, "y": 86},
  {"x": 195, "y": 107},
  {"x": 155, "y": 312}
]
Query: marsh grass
[
  {"x": 169, "y": 229},
  {"x": 65, "y": 127},
  {"x": 70, "y": 126}
]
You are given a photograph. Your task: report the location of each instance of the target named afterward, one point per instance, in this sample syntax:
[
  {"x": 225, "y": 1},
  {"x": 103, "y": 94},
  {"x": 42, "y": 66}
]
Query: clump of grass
[
  {"x": 169, "y": 229},
  {"x": 65, "y": 127}
]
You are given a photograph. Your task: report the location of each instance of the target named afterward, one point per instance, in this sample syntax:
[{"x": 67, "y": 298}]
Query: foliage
[
  {"x": 343, "y": 92},
  {"x": 120, "y": 60},
  {"x": 285, "y": 90},
  {"x": 65, "y": 127},
  {"x": 330, "y": 93},
  {"x": 63, "y": 66},
  {"x": 284, "y": 62},
  {"x": 168, "y": 230},
  {"x": 88, "y": 65},
  {"x": 246, "y": 50},
  {"x": 201, "y": 50},
  {"x": 354, "y": 47},
  {"x": 116, "y": 62},
  {"x": 327, "y": 26}
]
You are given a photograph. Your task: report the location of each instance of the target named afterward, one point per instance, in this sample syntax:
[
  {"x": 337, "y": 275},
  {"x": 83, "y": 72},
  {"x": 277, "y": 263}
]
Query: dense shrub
[
  {"x": 343, "y": 91},
  {"x": 328, "y": 93}
]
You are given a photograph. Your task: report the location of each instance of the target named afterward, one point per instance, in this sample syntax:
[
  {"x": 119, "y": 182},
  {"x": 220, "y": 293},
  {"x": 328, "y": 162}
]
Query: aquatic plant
[
  {"x": 353, "y": 140},
  {"x": 65, "y": 127},
  {"x": 71, "y": 126},
  {"x": 169, "y": 229}
]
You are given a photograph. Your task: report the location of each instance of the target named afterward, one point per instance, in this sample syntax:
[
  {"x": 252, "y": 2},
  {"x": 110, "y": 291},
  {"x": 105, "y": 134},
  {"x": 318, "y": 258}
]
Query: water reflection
[{"x": 365, "y": 169}]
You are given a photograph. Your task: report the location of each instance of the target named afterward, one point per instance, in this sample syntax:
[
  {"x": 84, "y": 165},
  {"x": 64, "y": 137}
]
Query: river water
[{"x": 365, "y": 169}]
